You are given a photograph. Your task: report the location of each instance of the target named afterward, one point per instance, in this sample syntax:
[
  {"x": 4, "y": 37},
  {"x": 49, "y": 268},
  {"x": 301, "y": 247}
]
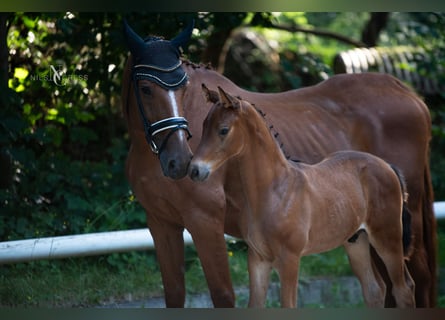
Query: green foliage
[
  {"x": 65, "y": 138},
  {"x": 84, "y": 196}
]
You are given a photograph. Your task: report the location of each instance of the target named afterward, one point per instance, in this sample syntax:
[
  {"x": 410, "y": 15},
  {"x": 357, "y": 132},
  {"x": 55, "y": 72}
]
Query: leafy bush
[{"x": 65, "y": 140}]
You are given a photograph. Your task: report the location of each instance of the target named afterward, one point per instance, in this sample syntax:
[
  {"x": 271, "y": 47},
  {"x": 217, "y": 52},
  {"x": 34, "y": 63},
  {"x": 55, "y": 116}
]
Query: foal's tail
[{"x": 406, "y": 214}]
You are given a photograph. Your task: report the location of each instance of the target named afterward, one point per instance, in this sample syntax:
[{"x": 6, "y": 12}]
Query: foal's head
[{"x": 223, "y": 134}]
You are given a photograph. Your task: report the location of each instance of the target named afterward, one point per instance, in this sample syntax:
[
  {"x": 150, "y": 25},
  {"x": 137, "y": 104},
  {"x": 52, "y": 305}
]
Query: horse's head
[
  {"x": 222, "y": 136},
  {"x": 158, "y": 81}
]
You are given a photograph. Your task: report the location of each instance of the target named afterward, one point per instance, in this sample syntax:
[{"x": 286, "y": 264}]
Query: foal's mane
[{"x": 273, "y": 131}]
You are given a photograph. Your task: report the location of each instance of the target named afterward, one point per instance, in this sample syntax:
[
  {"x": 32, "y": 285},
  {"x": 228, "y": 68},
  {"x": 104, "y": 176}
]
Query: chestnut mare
[
  {"x": 163, "y": 103},
  {"x": 294, "y": 209}
]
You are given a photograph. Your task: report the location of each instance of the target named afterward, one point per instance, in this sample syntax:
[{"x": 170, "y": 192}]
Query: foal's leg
[
  {"x": 389, "y": 247},
  {"x": 373, "y": 286},
  {"x": 259, "y": 272}
]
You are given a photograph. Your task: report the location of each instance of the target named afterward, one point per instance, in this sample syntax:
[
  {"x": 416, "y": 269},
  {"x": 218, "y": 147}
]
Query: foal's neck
[{"x": 262, "y": 164}]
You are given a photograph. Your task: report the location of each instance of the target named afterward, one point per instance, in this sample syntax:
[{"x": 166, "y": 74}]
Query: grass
[
  {"x": 92, "y": 281},
  {"x": 79, "y": 282}
]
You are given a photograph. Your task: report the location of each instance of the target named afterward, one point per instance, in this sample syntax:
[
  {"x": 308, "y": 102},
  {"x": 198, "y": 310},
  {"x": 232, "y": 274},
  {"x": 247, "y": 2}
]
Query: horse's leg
[
  {"x": 418, "y": 262},
  {"x": 212, "y": 251},
  {"x": 288, "y": 268},
  {"x": 259, "y": 272},
  {"x": 169, "y": 244},
  {"x": 373, "y": 286},
  {"x": 388, "y": 246}
]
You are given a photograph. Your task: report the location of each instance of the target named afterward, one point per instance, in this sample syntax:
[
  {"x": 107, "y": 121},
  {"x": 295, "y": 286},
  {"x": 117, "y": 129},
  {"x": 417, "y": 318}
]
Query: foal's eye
[
  {"x": 223, "y": 131},
  {"x": 146, "y": 90}
]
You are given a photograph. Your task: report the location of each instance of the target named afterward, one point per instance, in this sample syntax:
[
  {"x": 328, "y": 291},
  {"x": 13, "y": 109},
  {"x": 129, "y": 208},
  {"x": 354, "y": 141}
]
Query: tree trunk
[
  {"x": 223, "y": 24},
  {"x": 371, "y": 32}
]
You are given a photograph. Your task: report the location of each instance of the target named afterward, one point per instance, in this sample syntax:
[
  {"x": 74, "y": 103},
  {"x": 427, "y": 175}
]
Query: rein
[{"x": 172, "y": 124}]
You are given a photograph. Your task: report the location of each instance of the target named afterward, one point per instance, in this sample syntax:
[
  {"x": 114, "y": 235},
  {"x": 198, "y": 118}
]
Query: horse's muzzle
[{"x": 175, "y": 165}]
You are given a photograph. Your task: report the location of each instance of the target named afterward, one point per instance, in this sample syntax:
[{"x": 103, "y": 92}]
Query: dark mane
[
  {"x": 274, "y": 132},
  {"x": 194, "y": 65}
]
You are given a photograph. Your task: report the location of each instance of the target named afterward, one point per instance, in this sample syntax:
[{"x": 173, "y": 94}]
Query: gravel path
[{"x": 316, "y": 292}]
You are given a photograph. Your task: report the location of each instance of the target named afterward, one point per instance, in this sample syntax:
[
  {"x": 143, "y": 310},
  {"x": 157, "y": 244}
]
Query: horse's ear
[
  {"x": 134, "y": 42},
  {"x": 228, "y": 100},
  {"x": 181, "y": 39},
  {"x": 210, "y": 95}
]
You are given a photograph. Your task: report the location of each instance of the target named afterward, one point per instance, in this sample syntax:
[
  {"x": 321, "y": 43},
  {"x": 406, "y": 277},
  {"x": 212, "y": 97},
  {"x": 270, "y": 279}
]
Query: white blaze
[{"x": 172, "y": 97}]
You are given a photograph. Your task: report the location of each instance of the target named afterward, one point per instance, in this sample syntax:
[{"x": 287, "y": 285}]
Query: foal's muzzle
[{"x": 199, "y": 171}]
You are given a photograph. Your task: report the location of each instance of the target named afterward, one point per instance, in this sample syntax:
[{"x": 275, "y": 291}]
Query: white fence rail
[
  {"x": 439, "y": 210},
  {"x": 97, "y": 243},
  {"x": 78, "y": 245}
]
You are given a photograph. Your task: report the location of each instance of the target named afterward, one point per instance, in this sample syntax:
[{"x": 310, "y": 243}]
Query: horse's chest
[{"x": 275, "y": 228}]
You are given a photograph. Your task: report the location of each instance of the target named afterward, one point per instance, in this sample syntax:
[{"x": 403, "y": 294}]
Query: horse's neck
[{"x": 212, "y": 79}]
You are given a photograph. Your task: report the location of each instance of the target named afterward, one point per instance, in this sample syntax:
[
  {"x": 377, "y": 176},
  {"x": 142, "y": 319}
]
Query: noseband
[{"x": 171, "y": 124}]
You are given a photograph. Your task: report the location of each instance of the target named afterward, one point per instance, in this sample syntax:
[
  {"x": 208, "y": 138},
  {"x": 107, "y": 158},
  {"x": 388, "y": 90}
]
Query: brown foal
[{"x": 350, "y": 198}]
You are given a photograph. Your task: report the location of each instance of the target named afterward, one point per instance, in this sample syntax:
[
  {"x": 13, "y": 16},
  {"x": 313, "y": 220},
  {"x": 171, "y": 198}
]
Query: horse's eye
[
  {"x": 146, "y": 90},
  {"x": 223, "y": 131}
]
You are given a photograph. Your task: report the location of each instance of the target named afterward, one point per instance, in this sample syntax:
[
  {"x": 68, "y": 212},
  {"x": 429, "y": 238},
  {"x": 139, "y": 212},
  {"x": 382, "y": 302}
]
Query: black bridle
[{"x": 171, "y": 124}]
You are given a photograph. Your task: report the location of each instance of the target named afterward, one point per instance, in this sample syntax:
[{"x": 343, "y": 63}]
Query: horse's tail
[
  {"x": 429, "y": 231},
  {"x": 406, "y": 214}
]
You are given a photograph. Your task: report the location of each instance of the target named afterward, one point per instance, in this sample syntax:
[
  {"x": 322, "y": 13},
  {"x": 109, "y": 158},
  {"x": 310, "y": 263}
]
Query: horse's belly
[
  {"x": 323, "y": 245},
  {"x": 331, "y": 229}
]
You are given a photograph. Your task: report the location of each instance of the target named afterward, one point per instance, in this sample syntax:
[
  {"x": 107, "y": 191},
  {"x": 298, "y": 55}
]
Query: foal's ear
[
  {"x": 228, "y": 100},
  {"x": 210, "y": 95}
]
